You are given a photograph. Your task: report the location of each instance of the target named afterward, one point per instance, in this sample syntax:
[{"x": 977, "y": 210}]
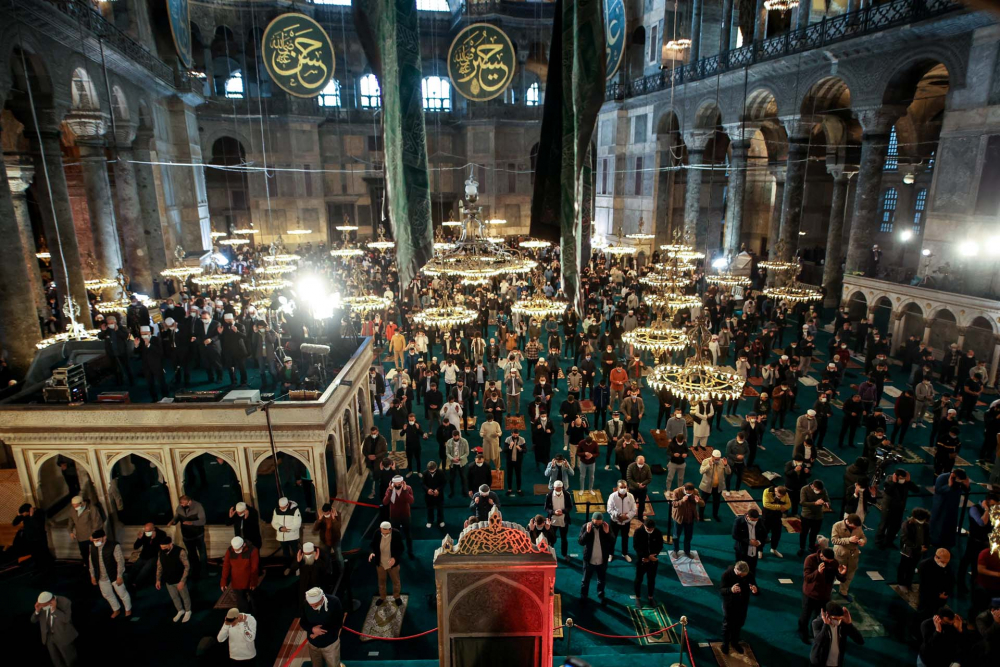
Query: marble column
[
  {"x": 149, "y": 205},
  {"x": 726, "y": 35},
  {"x": 802, "y": 14},
  {"x": 833, "y": 276},
  {"x": 876, "y": 125},
  {"x": 735, "y": 198},
  {"x": 791, "y": 203},
  {"x": 926, "y": 339},
  {"x": 694, "y": 53},
  {"x": 961, "y": 336},
  {"x": 897, "y": 327},
  {"x": 760, "y": 22},
  {"x": 129, "y": 212},
  {"x": 774, "y": 223},
  {"x": 994, "y": 360},
  {"x": 57, "y": 217},
  {"x": 20, "y": 173},
  {"x": 89, "y": 127},
  {"x": 20, "y": 330},
  {"x": 854, "y": 5},
  {"x": 695, "y": 225}
]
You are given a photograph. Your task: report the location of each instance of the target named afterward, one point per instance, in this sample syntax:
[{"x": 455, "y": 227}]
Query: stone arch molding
[
  {"x": 303, "y": 455},
  {"x": 210, "y": 137},
  {"x": 930, "y": 308},
  {"x": 111, "y": 458},
  {"x": 38, "y": 459},
  {"x": 185, "y": 457},
  {"x": 490, "y": 581},
  {"x": 660, "y": 113}
]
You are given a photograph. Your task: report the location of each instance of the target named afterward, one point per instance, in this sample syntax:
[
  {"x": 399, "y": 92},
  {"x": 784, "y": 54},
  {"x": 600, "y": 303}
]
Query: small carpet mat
[
  {"x": 734, "y": 659},
  {"x": 587, "y": 407},
  {"x": 866, "y": 624},
  {"x": 599, "y": 437},
  {"x": 557, "y": 616},
  {"x": 886, "y": 404},
  {"x": 985, "y": 465},
  {"x": 512, "y": 422},
  {"x": 828, "y": 458},
  {"x": 837, "y": 403},
  {"x": 689, "y": 419},
  {"x": 496, "y": 483},
  {"x": 733, "y": 420},
  {"x": 755, "y": 479},
  {"x": 750, "y": 392},
  {"x": 930, "y": 489},
  {"x": 909, "y": 456},
  {"x": 581, "y": 498},
  {"x": 228, "y": 598},
  {"x": 785, "y": 436},
  {"x": 854, "y": 365},
  {"x": 690, "y": 571},
  {"x": 792, "y": 524},
  {"x": 399, "y": 458},
  {"x": 660, "y": 438},
  {"x": 740, "y": 502},
  {"x": 634, "y": 526},
  {"x": 912, "y": 596},
  {"x": 755, "y": 381},
  {"x": 651, "y": 619},
  {"x": 649, "y": 509},
  {"x": 959, "y": 461},
  {"x": 889, "y": 390},
  {"x": 807, "y": 381},
  {"x": 541, "y": 489},
  {"x": 385, "y": 620},
  {"x": 293, "y": 638},
  {"x": 702, "y": 453}
]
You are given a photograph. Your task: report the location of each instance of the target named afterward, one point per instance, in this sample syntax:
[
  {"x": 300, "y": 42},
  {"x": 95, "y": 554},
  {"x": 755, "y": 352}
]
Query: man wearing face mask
[
  {"x": 191, "y": 515},
  {"x": 116, "y": 348},
  {"x": 172, "y": 569},
  {"x": 559, "y": 509},
  {"x": 515, "y": 448},
  {"x": 149, "y": 350},
  {"x": 85, "y": 518},
  {"x": 478, "y": 473},
  {"x": 234, "y": 350},
  {"x": 832, "y": 630},
  {"x": 205, "y": 337},
  {"x": 598, "y": 544},
  {"x": 287, "y": 523},
  {"x": 648, "y": 544},
  {"x": 483, "y": 502},
  {"x": 749, "y": 535},
  {"x": 622, "y": 509},
  {"x": 848, "y": 538},
  {"x": 541, "y": 438},
  {"x": 54, "y": 617},
  {"x": 738, "y": 584},
  {"x": 753, "y": 431},
  {"x": 820, "y": 571},
  {"x": 246, "y": 523},
  {"x": 148, "y": 543},
  {"x": 315, "y": 569},
  {"x": 457, "y": 455},
  {"x": 107, "y": 571},
  {"x": 398, "y": 498},
  {"x": 434, "y": 481},
  {"x": 329, "y": 528},
  {"x": 937, "y": 582},
  {"x": 176, "y": 349},
  {"x": 240, "y": 567},
  {"x": 263, "y": 344},
  {"x": 386, "y": 549}
]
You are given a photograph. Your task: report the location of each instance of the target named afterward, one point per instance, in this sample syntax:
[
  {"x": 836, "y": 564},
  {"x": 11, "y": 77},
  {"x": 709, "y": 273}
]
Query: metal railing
[
  {"x": 525, "y": 10},
  {"x": 830, "y": 30}
]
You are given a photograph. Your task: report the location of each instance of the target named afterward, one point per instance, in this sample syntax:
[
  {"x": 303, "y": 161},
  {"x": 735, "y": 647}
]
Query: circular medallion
[
  {"x": 614, "y": 34},
  {"x": 481, "y": 62},
  {"x": 298, "y": 55}
]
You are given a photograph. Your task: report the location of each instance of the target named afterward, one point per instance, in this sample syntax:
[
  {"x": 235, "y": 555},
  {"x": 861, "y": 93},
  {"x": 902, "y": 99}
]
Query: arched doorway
[
  {"x": 857, "y": 307},
  {"x": 228, "y": 190},
  {"x": 979, "y": 338},
  {"x": 882, "y": 314},
  {"x": 912, "y": 323},
  {"x": 59, "y": 479},
  {"x": 944, "y": 329},
  {"x": 351, "y": 442},
  {"x": 296, "y": 485},
  {"x": 212, "y": 481},
  {"x": 138, "y": 491}
]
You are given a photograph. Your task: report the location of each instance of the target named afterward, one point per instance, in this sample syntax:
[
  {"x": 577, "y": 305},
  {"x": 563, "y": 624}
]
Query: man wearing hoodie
[
  {"x": 240, "y": 566},
  {"x": 287, "y": 522}
]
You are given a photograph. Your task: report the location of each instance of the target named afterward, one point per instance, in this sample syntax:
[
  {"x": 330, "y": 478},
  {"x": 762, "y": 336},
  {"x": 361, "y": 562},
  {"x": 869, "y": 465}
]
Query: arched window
[
  {"x": 234, "y": 85},
  {"x": 437, "y": 93},
  {"x": 918, "y": 210},
  {"x": 533, "y": 96},
  {"x": 889, "y": 210},
  {"x": 433, "y": 5},
  {"x": 371, "y": 93},
  {"x": 330, "y": 96},
  {"x": 892, "y": 153}
]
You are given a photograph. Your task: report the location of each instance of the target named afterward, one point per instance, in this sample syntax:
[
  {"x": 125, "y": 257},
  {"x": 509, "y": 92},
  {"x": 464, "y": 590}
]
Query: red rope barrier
[
  {"x": 297, "y": 651},
  {"x": 390, "y": 639},
  {"x": 688, "y": 643},
  {"x": 599, "y": 634},
  {"x": 354, "y": 502}
]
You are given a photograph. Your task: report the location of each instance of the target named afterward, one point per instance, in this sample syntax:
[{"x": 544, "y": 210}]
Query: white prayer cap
[
  {"x": 314, "y": 595},
  {"x": 169, "y": 321},
  {"x": 385, "y": 525},
  {"x": 308, "y": 548},
  {"x": 44, "y": 597},
  {"x": 282, "y": 501},
  {"x": 144, "y": 329},
  {"x": 237, "y": 542},
  {"x": 397, "y": 479},
  {"x": 716, "y": 454},
  {"x": 811, "y": 413},
  {"x": 77, "y": 500},
  {"x": 218, "y": 302},
  {"x": 784, "y": 357},
  {"x": 241, "y": 507},
  {"x": 557, "y": 484},
  {"x": 953, "y": 412}
]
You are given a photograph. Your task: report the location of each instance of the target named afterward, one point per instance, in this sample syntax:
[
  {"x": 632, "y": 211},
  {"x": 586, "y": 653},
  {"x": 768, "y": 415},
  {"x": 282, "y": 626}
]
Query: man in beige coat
[
  {"x": 805, "y": 425},
  {"x": 848, "y": 538},
  {"x": 490, "y": 432},
  {"x": 713, "y": 471},
  {"x": 85, "y": 518}
]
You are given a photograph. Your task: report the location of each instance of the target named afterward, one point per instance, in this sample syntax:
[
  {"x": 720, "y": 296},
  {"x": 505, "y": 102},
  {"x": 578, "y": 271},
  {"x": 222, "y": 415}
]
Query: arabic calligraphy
[
  {"x": 178, "y": 15},
  {"x": 481, "y": 62},
  {"x": 614, "y": 30},
  {"x": 298, "y": 55}
]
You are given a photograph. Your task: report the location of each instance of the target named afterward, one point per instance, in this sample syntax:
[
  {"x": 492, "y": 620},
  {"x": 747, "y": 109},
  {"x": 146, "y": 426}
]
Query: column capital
[
  {"x": 799, "y": 127},
  {"x": 697, "y": 140},
  {"x": 87, "y": 126},
  {"x": 928, "y": 321},
  {"x": 124, "y": 133},
  {"x": 744, "y": 129},
  {"x": 842, "y": 172},
  {"x": 962, "y": 330},
  {"x": 20, "y": 173},
  {"x": 779, "y": 170},
  {"x": 880, "y": 119}
]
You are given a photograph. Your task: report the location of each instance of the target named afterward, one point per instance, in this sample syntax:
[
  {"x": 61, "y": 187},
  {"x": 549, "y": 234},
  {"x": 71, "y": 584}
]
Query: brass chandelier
[
  {"x": 539, "y": 305},
  {"x": 697, "y": 379}
]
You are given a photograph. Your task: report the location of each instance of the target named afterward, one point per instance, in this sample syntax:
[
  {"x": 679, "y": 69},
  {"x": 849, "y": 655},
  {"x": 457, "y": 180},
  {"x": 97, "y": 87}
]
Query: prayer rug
[
  {"x": 792, "y": 524},
  {"x": 886, "y": 404},
  {"x": 385, "y": 620},
  {"x": 986, "y": 465},
  {"x": 228, "y": 598},
  {"x": 785, "y": 436},
  {"x": 399, "y": 458},
  {"x": 690, "y": 571},
  {"x": 828, "y": 458},
  {"x": 634, "y": 526},
  {"x": 293, "y": 639},
  {"x": 866, "y": 624},
  {"x": 734, "y": 420},
  {"x": 541, "y": 489},
  {"x": 701, "y": 453},
  {"x": 689, "y": 419},
  {"x": 909, "y": 456},
  {"x": 587, "y": 406},
  {"x": 512, "y": 422},
  {"x": 496, "y": 484},
  {"x": 740, "y": 501},
  {"x": 930, "y": 489},
  {"x": 959, "y": 461},
  {"x": 649, "y": 509},
  {"x": 557, "y": 616},
  {"x": 734, "y": 659},
  {"x": 755, "y": 381},
  {"x": 581, "y": 498},
  {"x": 807, "y": 381},
  {"x": 750, "y": 392},
  {"x": 837, "y": 403},
  {"x": 660, "y": 438},
  {"x": 650, "y": 619},
  {"x": 889, "y": 390},
  {"x": 854, "y": 365},
  {"x": 911, "y": 597},
  {"x": 755, "y": 479},
  {"x": 599, "y": 437}
]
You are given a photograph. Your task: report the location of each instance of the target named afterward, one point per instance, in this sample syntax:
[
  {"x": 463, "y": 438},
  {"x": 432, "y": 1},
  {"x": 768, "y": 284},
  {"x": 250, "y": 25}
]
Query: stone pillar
[
  {"x": 994, "y": 361},
  {"x": 876, "y": 125},
  {"x": 188, "y": 183},
  {"x": 20, "y": 173},
  {"x": 149, "y": 205},
  {"x": 928, "y": 321},
  {"x": 736, "y": 196},
  {"x": 129, "y": 218},
  {"x": 726, "y": 35},
  {"x": 961, "y": 336},
  {"x": 774, "y": 224},
  {"x": 57, "y": 217},
  {"x": 20, "y": 330},
  {"x": 694, "y": 53},
  {"x": 802, "y": 14},
  {"x": 853, "y": 5},
  {"x": 760, "y": 24},
  {"x": 897, "y": 324},
  {"x": 833, "y": 276},
  {"x": 89, "y": 128},
  {"x": 695, "y": 226},
  {"x": 791, "y": 203}
]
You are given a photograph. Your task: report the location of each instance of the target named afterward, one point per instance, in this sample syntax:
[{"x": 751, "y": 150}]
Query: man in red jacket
[
  {"x": 819, "y": 572},
  {"x": 398, "y": 498},
  {"x": 239, "y": 570}
]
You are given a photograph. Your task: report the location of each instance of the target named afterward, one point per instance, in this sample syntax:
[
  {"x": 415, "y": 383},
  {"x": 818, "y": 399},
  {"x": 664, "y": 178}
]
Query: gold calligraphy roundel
[
  {"x": 481, "y": 62},
  {"x": 298, "y": 55}
]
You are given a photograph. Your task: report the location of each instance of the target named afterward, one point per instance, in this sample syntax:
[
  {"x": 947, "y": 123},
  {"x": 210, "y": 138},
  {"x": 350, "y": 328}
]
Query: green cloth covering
[
  {"x": 389, "y": 33},
  {"x": 573, "y": 98}
]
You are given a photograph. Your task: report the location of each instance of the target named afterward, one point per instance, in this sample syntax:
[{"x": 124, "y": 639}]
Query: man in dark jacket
[
  {"x": 322, "y": 619},
  {"x": 434, "y": 481},
  {"x": 559, "y": 509},
  {"x": 937, "y": 582},
  {"x": 598, "y": 544},
  {"x": 234, "y": 349},
  {"x": 833, "y": 619},
  {"x": 314, "y": 567},
  {"x": 749, "y": 535},
  {"x": 738, "y": 584},
  {"x": 483, "y": 502},
  {"x": 478, "y": 473},
  {"x": 941, "y": 639},
  {"x": 820, "y": 570},
  {"x": 896, "y": 492},
  {"x": 149, "y": 350},
  {"x": 648, "y": 543},
  {"x": 148, "y": 543},
  {"x": 386, "y": 548},
  {"x": 246, "y": 523},
  {"x": 854, "y": 411},
  {"x": 205, "y": 337},
  {"x": 115, "y": 339},
  {"x": 32, "y": 539}
]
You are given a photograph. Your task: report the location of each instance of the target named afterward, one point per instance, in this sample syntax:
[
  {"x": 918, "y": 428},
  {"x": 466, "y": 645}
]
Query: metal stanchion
[
  {"x": 680, "y": 653},
  {"x": 569, "y": 634}
]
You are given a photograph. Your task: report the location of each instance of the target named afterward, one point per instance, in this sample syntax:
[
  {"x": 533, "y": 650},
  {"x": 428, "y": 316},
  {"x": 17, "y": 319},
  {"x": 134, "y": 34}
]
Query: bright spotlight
[
  {"x": 309, "y": 287},
  {"x": 720, "y": 263},
  {"x": 926, "y": 252},
  {"x": 906, "y": 236},
  {"x": 968, "y": 249},
  {"x": 219, "y": 259}
]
